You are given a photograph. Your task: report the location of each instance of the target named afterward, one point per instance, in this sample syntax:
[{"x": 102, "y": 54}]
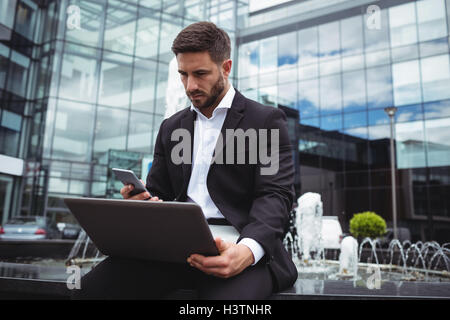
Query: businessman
[{"x": 247, "y": 185}]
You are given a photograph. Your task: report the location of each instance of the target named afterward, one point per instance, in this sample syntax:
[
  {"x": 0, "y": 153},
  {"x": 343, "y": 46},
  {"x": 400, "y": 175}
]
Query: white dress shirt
[{"x": 206, "y": 133}]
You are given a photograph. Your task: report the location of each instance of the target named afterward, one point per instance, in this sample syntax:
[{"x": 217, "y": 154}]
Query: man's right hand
[{"x": 125, "y": 192}]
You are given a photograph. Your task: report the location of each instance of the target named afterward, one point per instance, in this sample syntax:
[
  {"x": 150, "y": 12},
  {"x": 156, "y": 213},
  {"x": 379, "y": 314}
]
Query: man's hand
[
  {"x": 125, "y": 192},
  {"x": 233, "y": 259}
]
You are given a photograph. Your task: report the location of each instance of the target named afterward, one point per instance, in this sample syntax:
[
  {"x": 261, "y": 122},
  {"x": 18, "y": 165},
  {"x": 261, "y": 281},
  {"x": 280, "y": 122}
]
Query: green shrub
[{"x": 367, "y": 224}]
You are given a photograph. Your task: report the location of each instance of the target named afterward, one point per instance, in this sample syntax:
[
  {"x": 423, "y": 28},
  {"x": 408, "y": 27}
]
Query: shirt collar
[{"x": 225, "y": 103}]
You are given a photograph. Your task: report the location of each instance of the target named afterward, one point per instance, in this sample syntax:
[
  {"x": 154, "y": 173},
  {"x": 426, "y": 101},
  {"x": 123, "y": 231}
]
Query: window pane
[
  {"x": 147, "y": 33},
  {"x": 120, "y": 27},
  {"x": 352, "y": 37},
  {"x": 287, "y": 94},
  {"x": 377, "y": 39},
  {"x": 431, "y": 19},
  {"x": 308, "y": 98},
  {"x": 79, "y": 75},
  {"x": 140, "y": 132},
  {"x": 91, "y": 19},
  {"x": 73, "y": 131},
  {"x": 18, "y": 73},
  {"x": 438, "y": 109},
  {"x": 115, "y": 80},
  {"x": 435, "y": 78},
  {"x": 438, "y": 142},
  {"x": 402, "y": 22},
  {"x": 144, "y": 77},
  {"x": 110, "y": 131},
  {"x": 268, "y": 58},
  {"x": 355, "y": 119},
  {"x": 354, "y": 90},
  {"x": 410, "y": 144},
  {"x": 379, "y": 87},
  {"x": 308, "y": 46},
  {"x": 406, "y": 79},
  {"x": 330, "y": 94},
  {"x": 329, "y": 43},
  {"x": 6, "y": 18},
  {"x": 287, "y": 49},
  {"x": 170, "y": 27},
  {"x": 249, "y": 59},
  {"x": 331, "y": 123}
]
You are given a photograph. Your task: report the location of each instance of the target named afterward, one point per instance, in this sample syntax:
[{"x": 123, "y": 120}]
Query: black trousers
[{"x": 117, "y": 278}]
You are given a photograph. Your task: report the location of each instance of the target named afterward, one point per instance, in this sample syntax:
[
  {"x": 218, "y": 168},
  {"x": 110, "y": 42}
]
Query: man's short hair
[{"x": 203, "y": 36}]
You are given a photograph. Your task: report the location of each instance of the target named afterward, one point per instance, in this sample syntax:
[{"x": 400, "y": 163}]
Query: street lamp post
[{"x": 391, "y": 113}]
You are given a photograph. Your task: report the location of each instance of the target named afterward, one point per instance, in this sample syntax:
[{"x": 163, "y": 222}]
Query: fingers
[
  {"x": 216, "y": 266},
  {"x": 126, "y": 190}
]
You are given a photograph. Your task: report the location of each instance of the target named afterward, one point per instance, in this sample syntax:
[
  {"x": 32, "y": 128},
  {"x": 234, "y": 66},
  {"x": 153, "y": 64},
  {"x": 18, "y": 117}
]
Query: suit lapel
[
  {"x": 187, "y": 122},
  {"x": 234, "y": 116}
]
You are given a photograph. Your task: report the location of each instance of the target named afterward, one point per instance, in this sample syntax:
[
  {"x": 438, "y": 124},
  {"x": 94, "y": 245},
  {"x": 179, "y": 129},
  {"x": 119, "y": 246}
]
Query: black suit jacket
[{"x": 256, "y": 205}]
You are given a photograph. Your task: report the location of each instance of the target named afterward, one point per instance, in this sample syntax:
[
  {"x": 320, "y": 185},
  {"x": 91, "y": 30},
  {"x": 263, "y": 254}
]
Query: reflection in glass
[
  {"x": 110, "y": 131},
  {"x": 308, "y": 98},
  {"x": 170, "y": 27},
  {"x": 249, "y": 59},
  {"x": 26, "y": 15},
  {"x": 409, "y": 113},
  {"x": 268, "y": 55},
  {"x": 330, "y": 94},
  {"x": 287, "y": 49},
  {"x": 352, "y": 36},
  {"x": 308, "y": 46},
  {"x": 91, "y": 20},
  {"x": 406, "y": 80},
  {"x": 147, "y": 33},
  {"x": 437, "y": 109},
  {"x": 410, "y": 146},
  {"x": 144, "y": 78},
  {"x": 377, "y": 39},
  {"x": 402, "y": 23},
  {"x": 354, "y": 90},
  {"x": 438, "y": 142},
  {"x": 287, "y": 94},
  {"x": 379, "y": 87},
  {"x": 431, "y": 19},
  {"x": 268, "y": 96},
  {"x": 120, "y": 27},
  {"x": 331, "y": 123},
  {"x": 435, "y": 78},
  {"x": 115, "y": 80},
  {"x": 329, "y": 41},
  {"x": 73, "y": 131},
  {"x": 355, "y": 119},
  {"x": 79, "y": 76},
  {"x": 140, "y": 133}
]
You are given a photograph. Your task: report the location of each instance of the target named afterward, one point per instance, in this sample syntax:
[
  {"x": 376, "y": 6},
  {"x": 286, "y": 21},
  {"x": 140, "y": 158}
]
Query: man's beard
[{"x": 216, "y": 91}]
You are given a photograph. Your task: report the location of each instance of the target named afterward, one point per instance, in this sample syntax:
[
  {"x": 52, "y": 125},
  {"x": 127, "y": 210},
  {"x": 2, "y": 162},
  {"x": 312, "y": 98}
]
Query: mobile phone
[{"x": 128, "y": 177}]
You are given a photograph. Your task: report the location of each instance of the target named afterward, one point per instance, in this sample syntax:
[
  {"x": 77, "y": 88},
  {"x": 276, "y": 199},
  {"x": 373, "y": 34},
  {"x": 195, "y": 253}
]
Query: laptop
[{"x": 145, "y": 230}]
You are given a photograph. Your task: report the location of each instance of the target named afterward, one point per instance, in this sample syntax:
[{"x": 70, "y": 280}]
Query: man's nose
[{"x": 191, "y": 84}]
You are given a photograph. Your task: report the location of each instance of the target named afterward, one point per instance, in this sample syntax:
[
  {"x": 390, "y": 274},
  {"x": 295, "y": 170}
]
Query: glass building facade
[{"x": 83, "y": 86}]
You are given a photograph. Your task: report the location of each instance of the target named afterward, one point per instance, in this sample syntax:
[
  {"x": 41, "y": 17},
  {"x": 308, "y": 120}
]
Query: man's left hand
[{"x": 233, "y": 259}]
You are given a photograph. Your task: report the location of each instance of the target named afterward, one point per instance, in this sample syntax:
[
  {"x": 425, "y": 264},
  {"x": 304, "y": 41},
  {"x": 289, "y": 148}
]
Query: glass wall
[{"x": 340, "y": 75}]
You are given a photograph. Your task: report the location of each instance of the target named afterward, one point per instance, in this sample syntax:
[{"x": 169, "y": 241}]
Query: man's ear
[{"x": 226, "y": 67}]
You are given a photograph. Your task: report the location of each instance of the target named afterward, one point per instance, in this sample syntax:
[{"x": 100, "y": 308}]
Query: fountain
[{"x": 367, "y": 264}]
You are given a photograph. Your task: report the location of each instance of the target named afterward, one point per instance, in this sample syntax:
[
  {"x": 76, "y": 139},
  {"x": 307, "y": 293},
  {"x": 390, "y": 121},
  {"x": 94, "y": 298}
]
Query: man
[{"x": 254, "y": 203}]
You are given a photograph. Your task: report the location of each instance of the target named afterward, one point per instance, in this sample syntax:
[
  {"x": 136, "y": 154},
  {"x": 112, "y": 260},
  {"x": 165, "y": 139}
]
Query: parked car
[
  {"x": 29, "y": 228},
  {"x": 331, "y": 232},
  {"x": 70, "y": 231}
]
